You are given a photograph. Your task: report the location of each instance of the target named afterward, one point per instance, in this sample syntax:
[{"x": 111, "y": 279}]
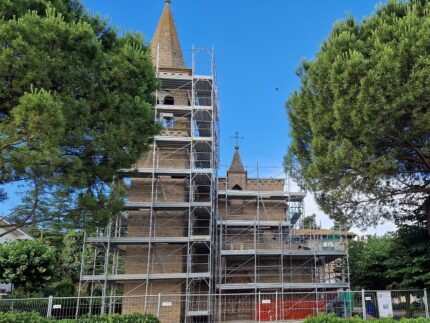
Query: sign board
[
  {"x": 368, "y": 298},
  {"x": 265, "y": 301},
  {"x": 56, "y": 306},
  {"x": 385, "y": 305},
  {"x": 166, "y": 304}
]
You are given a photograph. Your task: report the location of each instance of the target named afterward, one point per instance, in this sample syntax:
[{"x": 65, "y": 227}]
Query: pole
[
  {"x": 106, "y": 268},
  {"x": 80, "y": 276},
  {"x": 259, "y": 306},
  {"x": 159, "y": 305},
  {"x": 363, "y": 304},
  {"x": 426, "y": 303},
  {"x": 50, "y": 301}
]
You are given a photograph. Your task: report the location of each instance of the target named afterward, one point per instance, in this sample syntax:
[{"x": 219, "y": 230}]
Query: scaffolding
[
  {"x": 264, "y": 247},
  {"x": 186, "y": 231},
  {"x": 164, "y": 240}
]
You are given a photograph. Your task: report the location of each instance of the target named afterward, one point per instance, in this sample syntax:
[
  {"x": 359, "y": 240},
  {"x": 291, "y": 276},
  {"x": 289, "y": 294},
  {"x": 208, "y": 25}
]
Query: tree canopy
[
  {"x": 28, "y": 264},
  {"x": 360, "y": 122},
  {"x": 75, "y": 105},
  {"x": 397, "y": 260},
  {"x": 310, "y": 222}
]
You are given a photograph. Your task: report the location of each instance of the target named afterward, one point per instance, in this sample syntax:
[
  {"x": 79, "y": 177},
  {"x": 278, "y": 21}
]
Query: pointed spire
[
  {"x": 166, "y": 42},
  {"x": 236, "y": 166}
]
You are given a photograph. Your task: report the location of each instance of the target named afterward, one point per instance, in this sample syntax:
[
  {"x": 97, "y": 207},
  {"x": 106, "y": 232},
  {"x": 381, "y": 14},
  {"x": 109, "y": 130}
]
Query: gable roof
[{"x": 20, "y": 232}]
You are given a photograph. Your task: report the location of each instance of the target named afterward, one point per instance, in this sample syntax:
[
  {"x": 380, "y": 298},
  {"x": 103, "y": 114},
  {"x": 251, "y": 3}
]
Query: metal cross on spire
[{"x": 237, "y": 138}]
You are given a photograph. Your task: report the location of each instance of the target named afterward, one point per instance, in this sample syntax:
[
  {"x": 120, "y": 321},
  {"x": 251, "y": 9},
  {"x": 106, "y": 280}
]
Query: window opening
[
  {"x": 169, "y": 100},
  {"x": 167, "y": 121}
]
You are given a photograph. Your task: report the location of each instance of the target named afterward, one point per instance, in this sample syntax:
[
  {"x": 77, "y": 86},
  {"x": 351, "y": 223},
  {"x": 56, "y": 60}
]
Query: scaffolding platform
[
  {"x": 140, "y": 240},
  {"x": 140, "y": 277},
  {"x": 274, "y": 195},
  {"x": 130, "y": 206},
  {"x": 286, "y": 286},
  {"x": 244, "y": 223}
]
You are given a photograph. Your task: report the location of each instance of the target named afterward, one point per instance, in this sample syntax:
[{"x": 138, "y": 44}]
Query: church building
[{"x": 193, "y": 245}]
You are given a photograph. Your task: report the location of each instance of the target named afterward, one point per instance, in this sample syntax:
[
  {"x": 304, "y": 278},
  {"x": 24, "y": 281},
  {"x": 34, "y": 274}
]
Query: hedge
[
  {"x": 332, "y": 318},
  {"x": 25, "y": 317}
]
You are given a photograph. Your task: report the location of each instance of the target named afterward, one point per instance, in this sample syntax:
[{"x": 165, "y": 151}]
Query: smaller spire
[{"x": 236, "y": 166}]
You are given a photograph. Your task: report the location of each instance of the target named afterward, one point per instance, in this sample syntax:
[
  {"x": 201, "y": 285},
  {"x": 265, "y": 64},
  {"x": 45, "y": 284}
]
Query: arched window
[
  {"x": 169, "y": 100},
  {"x": 237, "y": 187}
]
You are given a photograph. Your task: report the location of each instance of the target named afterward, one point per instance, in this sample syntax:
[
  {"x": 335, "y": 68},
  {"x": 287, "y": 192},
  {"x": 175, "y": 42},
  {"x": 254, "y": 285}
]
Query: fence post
[
  {"x": 259, "y": 306},
  {"x": 159, "y": 305},
  {"x": 363, "y": 304},
  {"x": 276, "y": 306},
  {"x": 426, "y": 303},
  {"x": 49, "y": 311}
]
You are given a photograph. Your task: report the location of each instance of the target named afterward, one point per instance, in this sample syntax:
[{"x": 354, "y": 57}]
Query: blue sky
[{"x": 258, "y": 46}]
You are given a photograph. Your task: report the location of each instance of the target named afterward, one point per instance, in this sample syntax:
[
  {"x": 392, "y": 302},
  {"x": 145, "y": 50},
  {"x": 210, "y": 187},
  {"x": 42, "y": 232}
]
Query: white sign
[
  {"x": 56, "y": 306},
  {"x": 265, "y": 301},
  {"x": 368, "y": 298},
  {"x": 166, "y": 304},
  {"x": 385, "y": 305}
]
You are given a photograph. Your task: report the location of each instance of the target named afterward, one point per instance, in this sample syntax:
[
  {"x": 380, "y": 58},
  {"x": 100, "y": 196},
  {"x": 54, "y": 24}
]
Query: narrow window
[{"x": 167, "y": 120}]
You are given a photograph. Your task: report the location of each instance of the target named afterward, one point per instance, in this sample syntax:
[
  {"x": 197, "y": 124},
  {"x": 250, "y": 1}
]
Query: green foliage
[
  {"x": 71, "y": 254},
  {"x": 360, "y": 122},
  {"x": 118, "y": 318},
  {"x": 331, "y": 318},
  {"x": 309, "y": 222},
  {"x": 409, "y": 260},
  {"x": 28, "y": 264},
  {"x": 75, "y": 105},
  {"x": 23, "y": 317},
  {"x": 367, "y": 262},
  {"x": 393, "y": 261}
]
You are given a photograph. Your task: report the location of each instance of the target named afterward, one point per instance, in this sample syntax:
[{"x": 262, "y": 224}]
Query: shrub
[
  {"x": 33, "y": 317},
  {"x": 332, "y": 318},
  {"x": 21, "y": 317},
  {"x": 115, "y": 318},
  {"x": 28, "y": 264}
]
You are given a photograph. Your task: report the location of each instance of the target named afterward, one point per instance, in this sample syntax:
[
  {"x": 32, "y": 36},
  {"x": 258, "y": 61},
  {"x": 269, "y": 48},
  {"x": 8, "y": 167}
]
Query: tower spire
[
  {"x": 236, "y": 166},
  {"x": 165, "y": 43}
]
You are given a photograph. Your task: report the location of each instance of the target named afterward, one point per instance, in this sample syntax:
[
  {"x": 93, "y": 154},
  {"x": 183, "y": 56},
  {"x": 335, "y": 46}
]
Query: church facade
[{"x": 214, "y": 243}]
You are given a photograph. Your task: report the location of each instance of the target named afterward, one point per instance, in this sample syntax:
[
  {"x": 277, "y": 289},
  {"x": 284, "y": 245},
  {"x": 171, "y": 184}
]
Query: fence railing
[{"x": 246, "y": 307}]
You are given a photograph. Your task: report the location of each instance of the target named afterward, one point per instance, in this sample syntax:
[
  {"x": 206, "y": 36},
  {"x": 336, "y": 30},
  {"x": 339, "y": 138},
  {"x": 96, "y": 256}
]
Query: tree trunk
[{"x": 427, "y": 213}]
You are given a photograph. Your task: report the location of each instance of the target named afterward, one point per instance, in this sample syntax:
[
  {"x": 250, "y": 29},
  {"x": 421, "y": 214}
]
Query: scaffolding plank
[
  {"x": 273, "y": 195},
  {"x": 133, "y": 206},
  {"x": 130, "y": 277},
  {"x": 243, "y": 223},
  {"x": 137, "y": 240},
  {"x": 291, "y": 252},
  {"x": 178, "y": 172},
  {"x": 244, "y": 286}
]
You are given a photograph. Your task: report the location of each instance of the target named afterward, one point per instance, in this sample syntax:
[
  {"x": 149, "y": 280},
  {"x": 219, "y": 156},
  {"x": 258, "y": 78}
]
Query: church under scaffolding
[{"x": 216, "y": 242}]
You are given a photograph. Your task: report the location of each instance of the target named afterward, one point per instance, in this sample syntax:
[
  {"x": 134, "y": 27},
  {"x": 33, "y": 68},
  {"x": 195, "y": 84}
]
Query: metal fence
[{"x": 245, "y": 307}]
